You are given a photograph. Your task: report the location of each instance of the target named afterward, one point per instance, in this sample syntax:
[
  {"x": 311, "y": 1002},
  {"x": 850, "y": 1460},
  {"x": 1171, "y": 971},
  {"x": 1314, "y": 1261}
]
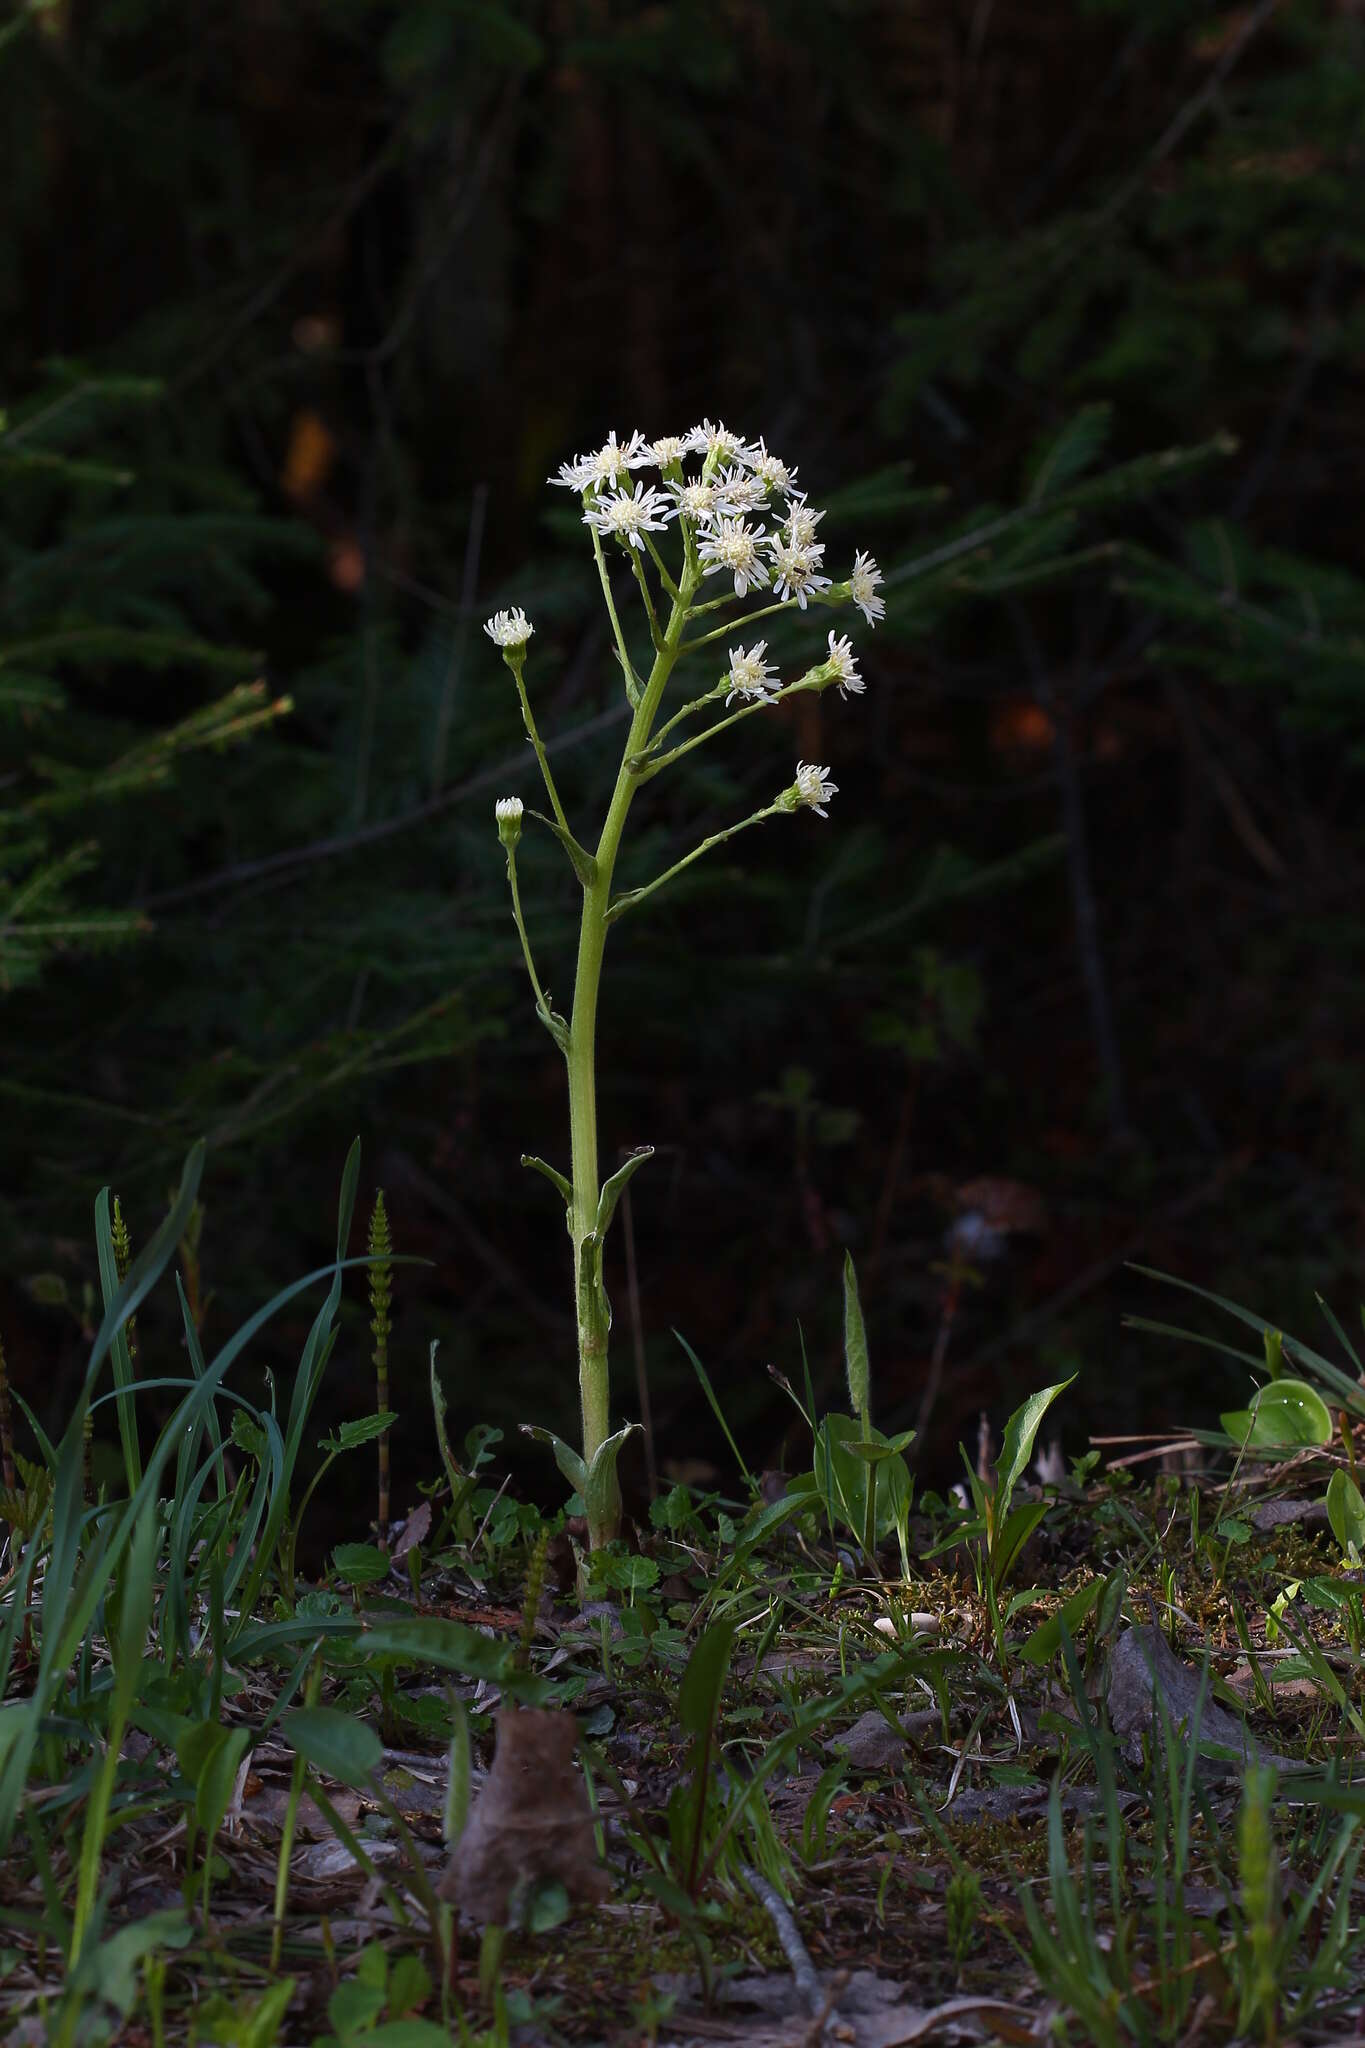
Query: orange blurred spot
[
  {"x": 1020, "y": 726},
  {"x": 312, "y": 451},
  {"x": 346, "y": 565}
]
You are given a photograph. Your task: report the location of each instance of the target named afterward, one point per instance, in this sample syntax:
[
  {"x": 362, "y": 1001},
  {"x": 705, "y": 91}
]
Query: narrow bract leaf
[
  {"x": 567, "y": 1459},
  {"x": 613, "y": 1189}
]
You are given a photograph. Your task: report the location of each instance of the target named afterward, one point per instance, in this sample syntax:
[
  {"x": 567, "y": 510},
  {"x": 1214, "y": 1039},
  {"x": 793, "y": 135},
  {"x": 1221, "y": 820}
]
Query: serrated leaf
[
  {"x": 360, "y": 1564},
  {"x": 362, "y": 1430}
]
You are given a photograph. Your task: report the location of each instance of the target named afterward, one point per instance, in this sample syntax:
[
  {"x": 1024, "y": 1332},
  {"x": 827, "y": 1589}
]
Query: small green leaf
[
  {"x": 363, "y": 1430},
  {"x": 1042, "y": 1646},
  {"x": 1274, "y": 1352},
  {"x": 1346, "y": 1513},
  {"x": 614, "y": 1188},
  {"x": 556, "y": 1179},
  {"x": 360, "y": 1564},
  {"x": 567, "y": 1459},
  {"x": 584, "y": 866},
  {"x": 334, "y": 1743},
  {"x": 882, "y": 1448}
]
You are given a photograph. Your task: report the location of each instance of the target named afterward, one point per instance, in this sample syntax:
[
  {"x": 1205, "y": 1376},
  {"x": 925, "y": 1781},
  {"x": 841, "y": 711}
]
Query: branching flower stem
[
  {"x": 634, "y": 896},
  {"x": 767, "y": 611},
  {"x": 580, "y": 1055},
  {"x": 718, "y": 531},
  {"x": 528, "y": 720},
  {"x": 553, "y": 1024},
  {"x": 813, "y": 680},
  {"x": 623, "y": 652}
]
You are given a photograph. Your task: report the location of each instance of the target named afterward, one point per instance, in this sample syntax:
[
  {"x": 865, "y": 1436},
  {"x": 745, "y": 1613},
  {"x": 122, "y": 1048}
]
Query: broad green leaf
[
  {"x": 1346, "y": 1512},
  {"x": 361, "y": 1564},
  {"x": 334, "y": 1743},
  {"x": 1282, "y": 1414},
  {"x": 422, "y": 1639}
]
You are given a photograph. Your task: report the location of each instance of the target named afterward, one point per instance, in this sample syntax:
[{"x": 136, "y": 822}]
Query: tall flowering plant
[{"x": 728, "y": 513}]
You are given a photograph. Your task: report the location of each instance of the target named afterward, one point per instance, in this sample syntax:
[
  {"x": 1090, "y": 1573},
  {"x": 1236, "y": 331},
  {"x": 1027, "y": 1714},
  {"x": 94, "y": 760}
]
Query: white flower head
[
  {"x": 841, "y": 664},
  {"x": 737, "y": 493},
  {"x": 813, "y": 789},
  {"x": 668, "y": 449},
  {"x": 862, "y": 585},
  {"x": 801, "y": 522},
  {"x": 775, "y": 473},
  {"x": 750, "y": 675},
  {"x": 693, "y": 499},
  {"x": 509, "y": 629},
  {"x": 507, "y": 814},
  {"x": 733, "y": 544},
  {"x": 629, "y": 516},
  {"x": 604, "y": 465},
  {"x": 796, "y": 570},
  {"x": 717, "y": 443}
]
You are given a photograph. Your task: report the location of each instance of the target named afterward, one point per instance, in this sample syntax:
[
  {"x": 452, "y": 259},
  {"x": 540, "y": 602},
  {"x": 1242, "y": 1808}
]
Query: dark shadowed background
[{"x": 299, "y": 306}]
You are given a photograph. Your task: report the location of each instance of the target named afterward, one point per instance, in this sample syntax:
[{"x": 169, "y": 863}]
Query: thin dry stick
[
  {"x": 637, "y": 1337},
  {"x": 804, "y": 1973}
]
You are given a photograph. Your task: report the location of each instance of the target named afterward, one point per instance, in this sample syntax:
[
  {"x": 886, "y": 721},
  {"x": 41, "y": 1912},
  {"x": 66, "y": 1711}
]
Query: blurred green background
[{"x": 299, "y": 306}]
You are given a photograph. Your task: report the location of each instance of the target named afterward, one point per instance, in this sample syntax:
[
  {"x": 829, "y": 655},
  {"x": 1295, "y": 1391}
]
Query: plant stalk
[{"x": 581, "y": 1059}]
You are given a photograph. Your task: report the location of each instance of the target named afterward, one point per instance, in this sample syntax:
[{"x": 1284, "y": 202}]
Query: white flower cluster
[{"x": 723, "y": 507}]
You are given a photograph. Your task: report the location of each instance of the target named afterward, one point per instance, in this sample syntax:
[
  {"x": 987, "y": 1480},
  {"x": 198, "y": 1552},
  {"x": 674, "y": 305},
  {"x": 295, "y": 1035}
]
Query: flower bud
[{"x": 508, "y": 811}]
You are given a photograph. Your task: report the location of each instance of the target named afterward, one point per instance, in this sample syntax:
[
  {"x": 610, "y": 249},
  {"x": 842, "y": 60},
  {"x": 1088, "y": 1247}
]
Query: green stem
[
  {"x": 767, "y": 611},
  {"x": 553, "y": 1024},
  {"x": 656, "y": 637},
  {"x": 519, "y": 678},
  {"x": 634, "y": 896},
  {"x": 631, "y": 680},
  {"x": 594, "y": 1396},
  {"x": 669, "y": 585}
]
